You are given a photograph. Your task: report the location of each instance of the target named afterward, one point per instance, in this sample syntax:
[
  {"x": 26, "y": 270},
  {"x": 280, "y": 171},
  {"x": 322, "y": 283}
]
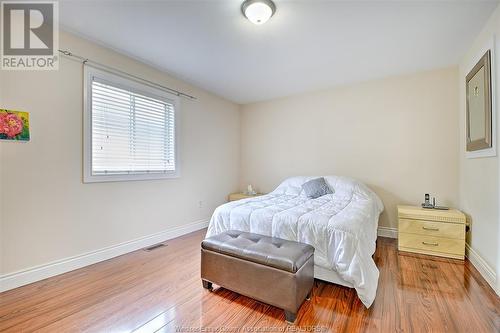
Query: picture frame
[
  {"x": 479, "y": 117},
  {"x": 14, "y": 125}
]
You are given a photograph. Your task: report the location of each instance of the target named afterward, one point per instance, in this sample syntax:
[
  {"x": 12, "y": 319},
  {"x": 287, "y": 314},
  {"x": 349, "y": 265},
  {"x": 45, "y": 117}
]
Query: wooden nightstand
[
  {"x": 430, "y": 231},
  {"x": 239, "y": 196}
]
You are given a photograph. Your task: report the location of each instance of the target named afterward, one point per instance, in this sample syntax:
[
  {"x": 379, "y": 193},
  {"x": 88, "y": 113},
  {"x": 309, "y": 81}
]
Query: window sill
[{"x": 127, "y": 178}]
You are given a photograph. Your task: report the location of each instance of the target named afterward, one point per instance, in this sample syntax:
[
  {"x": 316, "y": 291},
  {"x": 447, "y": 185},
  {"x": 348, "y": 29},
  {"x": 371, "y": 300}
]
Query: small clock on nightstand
[{"x": 429, "y": 231}]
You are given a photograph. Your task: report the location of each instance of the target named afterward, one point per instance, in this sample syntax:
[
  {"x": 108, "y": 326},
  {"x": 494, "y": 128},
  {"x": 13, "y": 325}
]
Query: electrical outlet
[{"x": 200, "y": 204}]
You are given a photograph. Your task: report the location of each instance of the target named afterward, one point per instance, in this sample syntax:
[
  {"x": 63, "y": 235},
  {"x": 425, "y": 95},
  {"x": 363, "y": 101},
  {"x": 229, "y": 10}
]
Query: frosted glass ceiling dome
[{"x": 258, "y": 11}]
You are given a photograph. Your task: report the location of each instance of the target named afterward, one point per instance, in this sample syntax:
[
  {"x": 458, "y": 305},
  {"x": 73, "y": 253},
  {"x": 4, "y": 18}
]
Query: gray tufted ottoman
[{"x": 272, "y": 270}]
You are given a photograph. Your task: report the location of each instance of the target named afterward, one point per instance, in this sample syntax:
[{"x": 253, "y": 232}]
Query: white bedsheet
[{"x": 341, "y": 226}]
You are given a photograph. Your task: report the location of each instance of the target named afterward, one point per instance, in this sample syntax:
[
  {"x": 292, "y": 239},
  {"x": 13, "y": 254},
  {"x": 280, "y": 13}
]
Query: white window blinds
[{"x": 131, "y": 133}]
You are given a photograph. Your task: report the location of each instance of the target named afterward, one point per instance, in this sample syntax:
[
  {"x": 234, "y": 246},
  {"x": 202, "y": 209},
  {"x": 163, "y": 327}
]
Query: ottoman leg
[
  {"x": 290, "y": 317},
  {"x": 207, "y": 284}
]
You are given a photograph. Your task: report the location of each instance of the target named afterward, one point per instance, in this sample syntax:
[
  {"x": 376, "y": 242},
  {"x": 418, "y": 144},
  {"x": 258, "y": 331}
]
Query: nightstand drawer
[
  {"x": 432, "y": 228},
  {"x": 431, "y": 245}
]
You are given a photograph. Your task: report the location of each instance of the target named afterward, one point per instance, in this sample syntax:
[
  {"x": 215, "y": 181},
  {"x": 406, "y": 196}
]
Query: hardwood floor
[{"x": 160, "y": 291}]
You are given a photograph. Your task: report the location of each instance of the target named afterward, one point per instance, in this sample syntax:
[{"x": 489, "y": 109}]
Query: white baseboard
[
  {"x": 387, "y": 232},
  {"x": 482, "y": 266},
  {"x": 37, "y": 273}
]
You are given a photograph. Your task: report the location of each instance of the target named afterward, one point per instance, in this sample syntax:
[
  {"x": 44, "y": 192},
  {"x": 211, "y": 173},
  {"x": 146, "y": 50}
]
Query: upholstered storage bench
[{"x": 272, "y": 270}]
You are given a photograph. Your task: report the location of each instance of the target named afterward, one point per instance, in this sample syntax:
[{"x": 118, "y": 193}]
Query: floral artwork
[{"x": 14, "y": 125}]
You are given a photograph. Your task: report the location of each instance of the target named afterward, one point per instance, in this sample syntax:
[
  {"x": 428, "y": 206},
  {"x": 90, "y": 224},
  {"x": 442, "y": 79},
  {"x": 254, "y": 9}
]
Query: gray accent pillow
[{"x": 316, "y": 188}]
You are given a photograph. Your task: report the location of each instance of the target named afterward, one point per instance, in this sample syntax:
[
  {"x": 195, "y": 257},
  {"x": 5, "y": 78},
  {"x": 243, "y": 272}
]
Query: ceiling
[{"x": 307, "y": 45}]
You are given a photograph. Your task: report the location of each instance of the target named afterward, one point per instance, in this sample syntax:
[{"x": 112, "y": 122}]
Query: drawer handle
[
  {"x": 432, "y": 244},
  {"x": 430, "y": 229}
]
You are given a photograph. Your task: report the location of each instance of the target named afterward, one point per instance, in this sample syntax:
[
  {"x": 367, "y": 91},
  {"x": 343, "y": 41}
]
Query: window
[{"x": 130, "y": 129}]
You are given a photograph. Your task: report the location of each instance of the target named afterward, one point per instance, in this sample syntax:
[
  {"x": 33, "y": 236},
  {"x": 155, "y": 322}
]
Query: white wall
[
  {"x": 49, "y": 214},
  {"x": 479, "y": 178},
  {"x": 398, "y": 135}
]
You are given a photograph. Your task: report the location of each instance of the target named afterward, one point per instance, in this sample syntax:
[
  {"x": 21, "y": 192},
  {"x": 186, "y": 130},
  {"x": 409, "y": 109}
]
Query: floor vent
[{"x": 154, "y": 247}]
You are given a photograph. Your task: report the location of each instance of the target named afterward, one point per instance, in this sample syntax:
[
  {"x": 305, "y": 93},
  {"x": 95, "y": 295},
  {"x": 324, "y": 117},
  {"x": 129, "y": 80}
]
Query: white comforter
[{"x": 341, "y": 226}]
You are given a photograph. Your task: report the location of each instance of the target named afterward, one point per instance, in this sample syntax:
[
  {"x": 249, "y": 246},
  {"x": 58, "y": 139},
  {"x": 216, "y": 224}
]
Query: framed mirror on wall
[{"x": 479, "y": 108}]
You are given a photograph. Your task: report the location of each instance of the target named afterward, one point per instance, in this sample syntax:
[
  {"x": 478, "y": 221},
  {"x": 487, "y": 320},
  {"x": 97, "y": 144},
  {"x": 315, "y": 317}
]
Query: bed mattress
[{"x": 341, "y": 226}]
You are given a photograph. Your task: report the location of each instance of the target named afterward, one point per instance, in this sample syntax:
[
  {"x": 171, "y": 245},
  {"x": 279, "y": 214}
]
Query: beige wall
[
  {"x": 479, "y": 178},
  {"x": 1, "y": 184},
  {"x": 398, "y": 135},
  {"x": 48, "y": 214},
  {"x": 403, "y": 136}
]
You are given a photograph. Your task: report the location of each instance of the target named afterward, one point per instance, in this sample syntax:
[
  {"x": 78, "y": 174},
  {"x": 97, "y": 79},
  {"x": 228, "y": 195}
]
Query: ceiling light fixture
[{"x": 258, "y": 11}]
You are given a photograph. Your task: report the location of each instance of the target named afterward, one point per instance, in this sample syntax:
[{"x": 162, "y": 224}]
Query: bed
[{"x": 341, "y": 226}]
